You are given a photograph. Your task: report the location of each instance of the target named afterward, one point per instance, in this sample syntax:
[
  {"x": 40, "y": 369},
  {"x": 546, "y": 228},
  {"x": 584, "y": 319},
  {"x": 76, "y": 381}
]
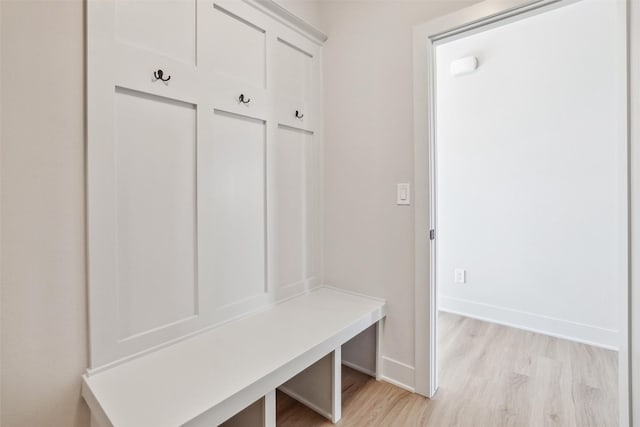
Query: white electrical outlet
[{"x": 460, "y": 275}]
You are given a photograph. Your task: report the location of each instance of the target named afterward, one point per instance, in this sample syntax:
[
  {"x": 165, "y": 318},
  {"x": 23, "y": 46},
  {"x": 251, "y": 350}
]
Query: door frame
[{"x": 478, "y": 18}]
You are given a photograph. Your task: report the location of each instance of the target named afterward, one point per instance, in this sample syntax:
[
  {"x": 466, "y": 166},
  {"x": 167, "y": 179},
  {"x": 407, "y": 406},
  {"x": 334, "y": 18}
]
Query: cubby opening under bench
[{"x": 228, "y": 375}]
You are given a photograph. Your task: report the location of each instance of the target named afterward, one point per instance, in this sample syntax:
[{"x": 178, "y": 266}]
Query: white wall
[
  {"x": 531, "y": 175},
  {"x": 43, "y": 304},
  {"x": 368, "y": 149}
]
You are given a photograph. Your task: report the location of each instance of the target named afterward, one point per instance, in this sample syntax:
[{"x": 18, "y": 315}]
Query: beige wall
[
  {"x": 43, "y": 304},
  {"x": 369, "y": 148}
]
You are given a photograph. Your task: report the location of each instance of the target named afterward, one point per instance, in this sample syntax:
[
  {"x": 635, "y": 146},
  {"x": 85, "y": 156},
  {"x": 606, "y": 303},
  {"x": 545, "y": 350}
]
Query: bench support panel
[{"x": 319, "y": 387}]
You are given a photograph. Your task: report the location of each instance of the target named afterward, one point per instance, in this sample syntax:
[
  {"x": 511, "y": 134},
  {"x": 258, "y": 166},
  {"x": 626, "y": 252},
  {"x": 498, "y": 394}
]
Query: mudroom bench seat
[{"x": 228, "y": 375}]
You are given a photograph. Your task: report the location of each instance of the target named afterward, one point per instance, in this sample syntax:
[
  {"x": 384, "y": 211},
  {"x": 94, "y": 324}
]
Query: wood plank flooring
[{"x": 490, "y": 375}]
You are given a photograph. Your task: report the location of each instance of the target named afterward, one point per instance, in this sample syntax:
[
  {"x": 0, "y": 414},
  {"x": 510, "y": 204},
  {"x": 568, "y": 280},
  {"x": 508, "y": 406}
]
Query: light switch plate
[
  {"x": 403, "y": 194},
  {"x": 460, "y": 275}
]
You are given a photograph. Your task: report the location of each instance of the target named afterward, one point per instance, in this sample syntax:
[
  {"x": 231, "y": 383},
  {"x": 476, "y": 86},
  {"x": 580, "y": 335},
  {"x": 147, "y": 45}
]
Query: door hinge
[{"x": 432, "y": 234}]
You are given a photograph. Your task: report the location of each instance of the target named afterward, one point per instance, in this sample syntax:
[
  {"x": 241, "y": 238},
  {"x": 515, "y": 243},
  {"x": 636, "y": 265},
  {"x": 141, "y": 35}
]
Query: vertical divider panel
[
  {"x": 306, "y": 162},
  {"x": 336, "y": 385},
  {"x": 379, "y": 327},
  {"x": 315, "y": 189},
  {"x": 205, "y": 174},
  {"x": 270, "y": 409},
  {"x": 272, "y": 129}
]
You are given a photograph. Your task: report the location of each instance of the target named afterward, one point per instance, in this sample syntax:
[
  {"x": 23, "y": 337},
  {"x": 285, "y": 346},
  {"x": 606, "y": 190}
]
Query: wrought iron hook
[
  {"x": 244, "y": 100},
  {"x": 298, "y": 115},
  {"x": 158, "y": 76}
]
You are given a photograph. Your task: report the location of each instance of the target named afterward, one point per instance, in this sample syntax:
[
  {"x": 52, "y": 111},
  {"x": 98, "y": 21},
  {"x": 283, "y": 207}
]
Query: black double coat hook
[{"x": 159, "y": 74}]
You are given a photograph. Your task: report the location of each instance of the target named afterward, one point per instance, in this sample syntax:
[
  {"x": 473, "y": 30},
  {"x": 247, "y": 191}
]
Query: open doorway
[{"x": 528, "y": 181}]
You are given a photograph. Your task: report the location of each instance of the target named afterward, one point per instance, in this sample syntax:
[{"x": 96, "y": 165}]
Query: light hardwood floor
[{"x": 490, "y": 375}]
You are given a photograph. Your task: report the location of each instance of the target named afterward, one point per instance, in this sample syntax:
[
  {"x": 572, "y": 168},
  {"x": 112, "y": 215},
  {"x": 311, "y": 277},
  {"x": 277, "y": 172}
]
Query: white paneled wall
[
  {"x": 241, "y": 53},
  {"x": 165, "y": 27},
  {"x": 204, "y": 177}
]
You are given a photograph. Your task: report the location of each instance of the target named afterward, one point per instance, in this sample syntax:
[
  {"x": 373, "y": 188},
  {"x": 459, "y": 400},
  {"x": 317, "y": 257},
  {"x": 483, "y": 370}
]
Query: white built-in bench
[{"x": 228, "y": 375}]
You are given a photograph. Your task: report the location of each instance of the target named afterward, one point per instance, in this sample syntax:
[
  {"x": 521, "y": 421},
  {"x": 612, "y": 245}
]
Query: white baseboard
[
  {"x": 580, "y": 332},
  {"x": 398, "y": 374}
]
